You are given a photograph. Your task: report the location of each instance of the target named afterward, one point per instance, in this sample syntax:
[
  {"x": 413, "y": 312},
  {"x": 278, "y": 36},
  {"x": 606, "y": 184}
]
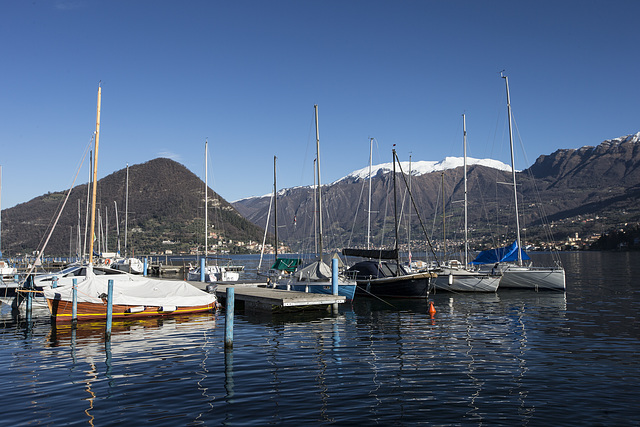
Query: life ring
[{"x": 107, "y": 262}]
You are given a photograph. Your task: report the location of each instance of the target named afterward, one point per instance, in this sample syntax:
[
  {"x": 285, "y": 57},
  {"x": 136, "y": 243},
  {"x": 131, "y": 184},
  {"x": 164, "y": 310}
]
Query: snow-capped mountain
[{"x": 424, "y": 167}]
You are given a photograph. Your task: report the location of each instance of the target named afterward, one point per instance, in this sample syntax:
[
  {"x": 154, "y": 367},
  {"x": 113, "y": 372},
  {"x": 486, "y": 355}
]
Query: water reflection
[{"x": 501, "y": 358}]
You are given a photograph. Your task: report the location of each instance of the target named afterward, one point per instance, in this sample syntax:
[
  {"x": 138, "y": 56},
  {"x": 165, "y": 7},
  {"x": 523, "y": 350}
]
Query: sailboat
[
  {"x": 382, "y": 275},
  {"x": 281, "y": 267},
  {"x": 128, "y": 264},
  {"x": 6, "y": 271},
  {"x": 133, "y": 296},
  {"x": 8, "y": 285},
  {"x": 458, "y": 277},
  {"x": 316, "y": 277},
  {"x": 509, "y": 260},
  {"x": 212, "y": 273}
]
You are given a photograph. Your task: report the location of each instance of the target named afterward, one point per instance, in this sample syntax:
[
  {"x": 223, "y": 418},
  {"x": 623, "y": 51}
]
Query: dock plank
[
  {"x": 278, "y": 297},
  {"x": 257, "y": 295}
]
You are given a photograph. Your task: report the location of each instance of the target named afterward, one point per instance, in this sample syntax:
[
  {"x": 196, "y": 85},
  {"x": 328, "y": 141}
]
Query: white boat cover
[
  {"x": 130, "y": 290},
  {"x": 316, "y": 271}
]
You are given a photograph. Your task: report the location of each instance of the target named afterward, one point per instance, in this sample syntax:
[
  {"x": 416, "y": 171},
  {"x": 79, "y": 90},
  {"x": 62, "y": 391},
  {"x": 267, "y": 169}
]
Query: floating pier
[{"x": 256, "y": 296}]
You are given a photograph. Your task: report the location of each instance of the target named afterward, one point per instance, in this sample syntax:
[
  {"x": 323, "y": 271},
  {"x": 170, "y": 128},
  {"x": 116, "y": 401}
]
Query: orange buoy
[{"x": 432, "y": 309}]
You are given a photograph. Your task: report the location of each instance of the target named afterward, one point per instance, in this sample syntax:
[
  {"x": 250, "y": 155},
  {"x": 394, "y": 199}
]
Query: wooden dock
[{"x": 256, "y": 296}]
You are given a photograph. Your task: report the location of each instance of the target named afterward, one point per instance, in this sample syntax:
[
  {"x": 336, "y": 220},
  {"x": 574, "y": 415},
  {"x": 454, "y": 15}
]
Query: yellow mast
[{"x": 95, "y": 175}]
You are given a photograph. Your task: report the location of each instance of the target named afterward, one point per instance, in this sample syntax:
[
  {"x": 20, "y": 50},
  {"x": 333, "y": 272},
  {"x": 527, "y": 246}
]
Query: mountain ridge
[
  {"x": 599, "y": 182},
  {"x": 166, "y": 202}
]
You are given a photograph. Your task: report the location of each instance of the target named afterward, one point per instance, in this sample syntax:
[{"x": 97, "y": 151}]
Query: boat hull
[
  {"x": 345, "y": 289},
  {"x": 63, "y": 310},
  {"x": 537, "y": 278},
  {"x": 459, "y": 280},
  {"x": 408, "y": 286}
]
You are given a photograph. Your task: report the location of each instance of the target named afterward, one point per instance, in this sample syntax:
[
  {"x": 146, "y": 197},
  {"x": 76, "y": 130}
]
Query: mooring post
[
  {"x": 228, "y": 323},
  {"x": 144, "y": 268},
  {"x": 74, "y": 307},
  {"x": 29, "y": 304},
  {"x": 109, "y": 307},
  {"x": 202, "y": 268},
  {"x": 334, "y": 276}
]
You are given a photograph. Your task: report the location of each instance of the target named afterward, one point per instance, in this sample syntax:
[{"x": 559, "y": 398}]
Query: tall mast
[
  {"x": 106, "y": 228},
  {"x": 319, "y": 185},
  {"x": 95, "y": 173},
  {"x": 409, "y": 227},
  {"x": 464, "y": 143},
  {"x": 275, "y": 206},
  {"x": 513, "y": 173},
  {"x": 206, "y": 201},
  {"x": 115, "y": 205},
  {"x": 86, "y": 216},
  {"x": 444, "y": 230},
  {"x": 0, "y": 211},
  {"x": 369, "y": 210},
  {"x": 395, "y": 212},
  {"x": 79, "y": 240},
  {"x": 126, "y": 211},
  {"x": 315, "y": 207}
]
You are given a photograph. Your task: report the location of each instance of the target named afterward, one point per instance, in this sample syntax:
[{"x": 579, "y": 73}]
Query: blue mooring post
[
  {"x": 74, "y": 307},
  {"x": 144, "y": 269},
  {"x": 29, "y": 301},
  {"x": 202, "y": 268},
  {"x": 228, "y": 323},
  {"x": 109, "y": 307},
  {"x": 334, "y": 276}
]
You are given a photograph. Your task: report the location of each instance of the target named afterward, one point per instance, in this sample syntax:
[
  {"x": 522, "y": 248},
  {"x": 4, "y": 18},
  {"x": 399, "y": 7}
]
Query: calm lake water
[{"x": 510, "y": 358}]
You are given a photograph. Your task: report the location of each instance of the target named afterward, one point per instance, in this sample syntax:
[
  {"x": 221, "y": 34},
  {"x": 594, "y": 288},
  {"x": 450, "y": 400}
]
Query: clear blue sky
[{"x": 246, "y": 74}]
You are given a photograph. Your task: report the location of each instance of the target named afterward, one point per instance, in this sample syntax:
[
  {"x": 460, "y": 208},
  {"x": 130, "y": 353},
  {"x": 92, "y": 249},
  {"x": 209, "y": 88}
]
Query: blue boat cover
[{"x": 506, "y": 254}]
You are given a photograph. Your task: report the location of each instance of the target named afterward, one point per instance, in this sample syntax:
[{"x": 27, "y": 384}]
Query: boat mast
[
  {"x": 106, "y": 228},
  {"x": 115, "y": 204},
  {"x": 513, "y": 173},
  {"x": 79, "y": 240},
  {"x": 395, "y": 212},
  {"x": 464, "y": 144},
  {"x": 369, "y": 210},
  {"x": 409, "y": 221},
  {"x": 126, "y": 211},
  {"x": 444, "y": 230},
  {"x": 0, "y": 211},
  {"x": 206, "y": 201},
  {"x": 95, "y": 172},
  {"x": 275, "y": 207},
  {"x": 86, "y": 216},
  {"x": 315, "y": 107},
  {"x": 315, "y": 208}
]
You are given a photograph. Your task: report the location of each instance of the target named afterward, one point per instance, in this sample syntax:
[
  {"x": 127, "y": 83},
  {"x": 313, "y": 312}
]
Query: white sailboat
[
  {"x": 212, "y": 273},
  {"x": 509, "y": 261},
  {"x": 128, "y": 264},
  {"x": 133, "y": 296},
  {"x": 6, "y": 271},
  {"x": 316, "y": 277},
  {"x": 458, "y": 277}
]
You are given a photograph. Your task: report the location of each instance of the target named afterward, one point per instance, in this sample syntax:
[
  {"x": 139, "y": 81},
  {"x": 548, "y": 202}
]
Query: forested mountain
[{"x": 166, "y": 211}]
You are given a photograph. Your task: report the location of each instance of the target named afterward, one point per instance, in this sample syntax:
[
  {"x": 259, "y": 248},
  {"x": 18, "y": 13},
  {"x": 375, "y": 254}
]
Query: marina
[{"x": 496, "y": 358}]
